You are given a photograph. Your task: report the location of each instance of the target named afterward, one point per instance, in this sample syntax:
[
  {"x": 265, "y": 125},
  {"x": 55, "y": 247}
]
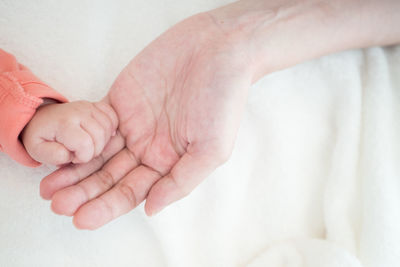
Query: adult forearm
[{"x": 282, "y": 33}]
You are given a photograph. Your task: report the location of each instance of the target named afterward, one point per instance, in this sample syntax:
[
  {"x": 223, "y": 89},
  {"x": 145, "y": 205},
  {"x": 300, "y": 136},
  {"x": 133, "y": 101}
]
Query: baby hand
[{"x": 73, "y": 132}]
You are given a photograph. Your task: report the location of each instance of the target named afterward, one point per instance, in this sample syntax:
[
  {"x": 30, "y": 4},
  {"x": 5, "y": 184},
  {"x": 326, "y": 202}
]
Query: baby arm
[{"x": 72, "y": 132}]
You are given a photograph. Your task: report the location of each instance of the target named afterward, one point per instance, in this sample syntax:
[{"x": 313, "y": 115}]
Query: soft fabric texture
[
  {"x": 314, "y": 179},
  {"x": 21, "y": 93}
]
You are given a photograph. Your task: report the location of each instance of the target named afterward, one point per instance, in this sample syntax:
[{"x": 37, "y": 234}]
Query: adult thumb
[{"x": 186, "y": 175}]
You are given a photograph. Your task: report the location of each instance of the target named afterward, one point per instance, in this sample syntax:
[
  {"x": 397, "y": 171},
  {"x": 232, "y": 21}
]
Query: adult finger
[
  {"x": 187, "y": 173},
  {"x": 122, "y": 198},
  {"x": 73, "y": 173},
  {"x": 68, "y": 200}
]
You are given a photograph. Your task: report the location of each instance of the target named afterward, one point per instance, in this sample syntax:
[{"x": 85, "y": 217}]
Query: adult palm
[{"x": 179, "y": 104}]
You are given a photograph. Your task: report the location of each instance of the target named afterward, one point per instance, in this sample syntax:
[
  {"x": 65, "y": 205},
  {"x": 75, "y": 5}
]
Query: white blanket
[{"x": 314, "y": 179}]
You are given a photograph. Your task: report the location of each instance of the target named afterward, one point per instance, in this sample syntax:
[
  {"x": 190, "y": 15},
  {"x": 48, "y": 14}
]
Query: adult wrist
[
  {"x": 281, "y": 33},
  {"x": 277, "y": 34},
  {"x": 241, "y": 24}
]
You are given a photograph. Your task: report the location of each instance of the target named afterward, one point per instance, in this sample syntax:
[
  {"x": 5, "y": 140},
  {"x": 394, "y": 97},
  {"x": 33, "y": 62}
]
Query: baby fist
[{"x": 73, "y": 132}]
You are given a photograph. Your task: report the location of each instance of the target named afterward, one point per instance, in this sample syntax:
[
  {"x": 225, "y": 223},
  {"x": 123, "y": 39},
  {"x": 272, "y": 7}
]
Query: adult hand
[
  {"x": 179, "y": 104},
  {"x": 180, "y": 101}
]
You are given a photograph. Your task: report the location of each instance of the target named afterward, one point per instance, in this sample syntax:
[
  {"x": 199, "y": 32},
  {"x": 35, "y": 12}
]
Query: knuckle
[
  {"x": 105, "y": 178},
  {"x": 87, "y": 143},
  {"x": 61, "y": 156},
  {"x": 84, "y": 191},
  {"x": 66, "y": 122},
  {"x": 129, "y": 194}
]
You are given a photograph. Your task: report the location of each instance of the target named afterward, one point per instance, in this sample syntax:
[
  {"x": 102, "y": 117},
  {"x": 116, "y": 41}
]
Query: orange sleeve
[{"x": 21, "y": 93}]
